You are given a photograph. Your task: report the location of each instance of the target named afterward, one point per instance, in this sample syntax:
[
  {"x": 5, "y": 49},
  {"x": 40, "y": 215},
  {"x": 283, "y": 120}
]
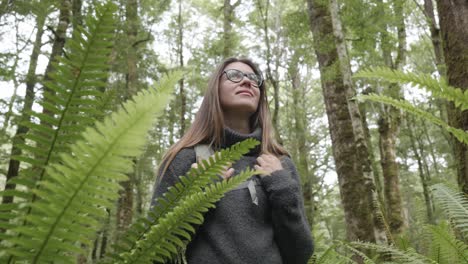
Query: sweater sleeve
[{"x": 292, "y": 232}]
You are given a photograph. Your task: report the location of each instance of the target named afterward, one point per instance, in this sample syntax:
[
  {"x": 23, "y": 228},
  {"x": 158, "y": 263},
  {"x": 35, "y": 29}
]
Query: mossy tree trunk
[
  {"x": 354, "y": 186},
  {"x": 390, "y": 117},
  {"x": 453, "y": 17},
  {"x": 228, "y": 10}
]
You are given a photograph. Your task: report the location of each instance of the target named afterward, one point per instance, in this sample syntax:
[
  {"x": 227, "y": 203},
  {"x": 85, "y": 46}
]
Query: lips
[{"x": 244, "y": 92}]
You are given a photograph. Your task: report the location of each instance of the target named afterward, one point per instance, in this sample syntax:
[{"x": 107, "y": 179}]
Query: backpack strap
[{"x": 204, "y": 151}]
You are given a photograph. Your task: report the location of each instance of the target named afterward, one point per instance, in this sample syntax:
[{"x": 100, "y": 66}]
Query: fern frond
[
  {"x": 439, "y": 88},
  {"x": 330, "y": 256},
  {"x": 454, "y": 204},
  {"x": 159, "y": 243},
  {"x": 195, "y": 180},
  {"x": 73, "y": 102},
  {"x": 461, "y": 135},
  {"x": 445, "y": 248},
  {"x": 394, "y": 254},
  {"x": 74, "y": 197}
]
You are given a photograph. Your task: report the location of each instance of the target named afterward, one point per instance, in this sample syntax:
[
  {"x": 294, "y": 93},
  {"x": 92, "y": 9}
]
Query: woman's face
[{"x": 238, "y": 97}]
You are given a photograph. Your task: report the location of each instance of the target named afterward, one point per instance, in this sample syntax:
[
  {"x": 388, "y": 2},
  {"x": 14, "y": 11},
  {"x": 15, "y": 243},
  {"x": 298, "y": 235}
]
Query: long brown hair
[{"x": 208, "y": 125}]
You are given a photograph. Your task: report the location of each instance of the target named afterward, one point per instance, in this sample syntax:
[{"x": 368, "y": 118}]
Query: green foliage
[
  {"x": 73, "y": 101},
  {"x": 459, "y": 134},
  {"x": 439, "y": 88},
  {"x": 455, "y": 206},
  {"x": 445, "y": 248}
]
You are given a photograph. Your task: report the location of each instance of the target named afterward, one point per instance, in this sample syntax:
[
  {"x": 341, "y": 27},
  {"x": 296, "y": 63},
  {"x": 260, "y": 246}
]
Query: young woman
[{"x": 273, "y": 228}]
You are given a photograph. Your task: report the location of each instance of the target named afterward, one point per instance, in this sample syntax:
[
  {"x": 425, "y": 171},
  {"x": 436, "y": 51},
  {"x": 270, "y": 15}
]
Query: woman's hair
[{"x": 208, "y": 125}]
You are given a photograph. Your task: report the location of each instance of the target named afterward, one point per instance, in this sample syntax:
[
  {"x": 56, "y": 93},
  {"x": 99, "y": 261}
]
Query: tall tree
[
  {"x": 57, "y": 47},
  {"x": 180, "y": 51},
  {"x": 272, "y": 60},
  {"x": 354, "y": 185},
  {"x": 228, "y": 34},
  {"x": 125, "y": 201},
  {"x": 390, "y": 117},
  {"x": 31, "y": 80},
  {"x": 358, "y": 121},
  {"x": 453, "y": 16}
]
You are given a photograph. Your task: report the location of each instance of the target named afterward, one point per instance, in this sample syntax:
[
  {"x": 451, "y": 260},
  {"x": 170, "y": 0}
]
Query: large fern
[
  {"x": 196, "y": 179},
  {"x": 86, "y": 181},
  {"x": 73, "y": 103},
  {"x": 445, "y": 248},
  {"x": 439, "y": 88},
  {"x": 455, "y": 205},
  {"x": 394, "y": 254},
  {"x": 461, "y": 135}
]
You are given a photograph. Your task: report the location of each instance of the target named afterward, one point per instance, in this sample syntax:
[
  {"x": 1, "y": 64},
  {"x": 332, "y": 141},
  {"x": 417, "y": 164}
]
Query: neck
[{"x": 237, "y": 122}]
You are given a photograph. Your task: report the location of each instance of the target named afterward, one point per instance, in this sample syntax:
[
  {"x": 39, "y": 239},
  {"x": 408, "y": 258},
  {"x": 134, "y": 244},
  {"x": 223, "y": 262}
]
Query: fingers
[{"x": 228, "y": 173}]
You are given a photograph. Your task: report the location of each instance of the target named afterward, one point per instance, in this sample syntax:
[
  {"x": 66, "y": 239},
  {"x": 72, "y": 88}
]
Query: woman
[{"x": 272, "y": 230}]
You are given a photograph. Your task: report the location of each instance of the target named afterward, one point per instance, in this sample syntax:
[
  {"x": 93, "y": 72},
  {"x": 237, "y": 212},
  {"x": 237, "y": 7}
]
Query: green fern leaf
[
  {"x": 394, "y": 254},
  {"x": 158, "y": 243},
  {"x": 461, "y": 135},
  {"x": 445, "y": 248},
  {"x": 455, "y": 205},
  {"x": 439, "y": 88},
  {"x": 75, "y": 85},
  {"x": 193, "y": 182},
  {"x": 73, "y": 199}
]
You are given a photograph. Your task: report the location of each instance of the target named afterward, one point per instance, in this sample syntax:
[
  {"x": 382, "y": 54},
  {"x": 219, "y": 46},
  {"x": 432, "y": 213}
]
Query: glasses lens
[
  {"x": 254, "y": 78},
  {"x": 234, "y": 75}
]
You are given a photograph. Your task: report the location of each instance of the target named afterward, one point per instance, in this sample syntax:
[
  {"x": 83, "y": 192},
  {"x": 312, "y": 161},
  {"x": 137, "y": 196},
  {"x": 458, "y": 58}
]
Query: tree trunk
[
  {"x": 453, "y": 17},
  {"x": 77, "y": 19},
  {"x": 125, "y": 201},
  {"x": 354, "y": 187},
  {"x": 180, "y": 50},
  {"x": 424, "y": 176},
  {"x": 227, "y": 26},
  {"x": 21, "y": 130},
  {"x": 300, "y": 136},
  {"x": 435, "y": 36},
  {"x": 271, "y": 77},
  {"x": 389, "y": 124},
  {"x": 356, "y": 119}
]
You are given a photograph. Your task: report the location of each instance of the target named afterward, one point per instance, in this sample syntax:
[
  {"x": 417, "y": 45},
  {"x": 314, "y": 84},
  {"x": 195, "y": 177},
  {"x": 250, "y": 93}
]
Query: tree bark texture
[
  {"x": 180, "y": 50},
  {"x": 354, "y": 188},
  {"x": 390, "y": 120},
  {"x": 356, "y": 118},
  {"x": 227, "y": 26},
  {"x": 57, "y": 48},
  {"x": 453, "y": 18},
  {"x": 423, "y": 175},
  {"x": 21, "y": 130}
]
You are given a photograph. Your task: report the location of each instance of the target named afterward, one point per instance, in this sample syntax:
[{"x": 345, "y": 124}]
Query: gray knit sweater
[{"x": 238, "y": 231}]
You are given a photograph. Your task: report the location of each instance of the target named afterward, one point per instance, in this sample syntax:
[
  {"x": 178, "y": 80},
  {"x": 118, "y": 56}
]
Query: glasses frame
[{"x": 248, "y": 75}]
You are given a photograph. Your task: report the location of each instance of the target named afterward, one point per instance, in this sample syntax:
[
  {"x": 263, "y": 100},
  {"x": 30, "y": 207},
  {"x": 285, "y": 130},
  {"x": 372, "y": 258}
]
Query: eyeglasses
[{"x": 236, "y": 76}]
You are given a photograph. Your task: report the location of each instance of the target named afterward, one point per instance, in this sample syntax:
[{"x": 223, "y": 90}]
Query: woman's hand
[
  {"x": 268, "y": 163},
  {"x": 228, "y": 172}
]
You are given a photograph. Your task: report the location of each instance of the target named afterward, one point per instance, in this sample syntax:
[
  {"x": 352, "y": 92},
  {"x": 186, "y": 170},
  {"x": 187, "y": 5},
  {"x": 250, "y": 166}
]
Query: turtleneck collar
[{"x": 231, "y": 137}]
